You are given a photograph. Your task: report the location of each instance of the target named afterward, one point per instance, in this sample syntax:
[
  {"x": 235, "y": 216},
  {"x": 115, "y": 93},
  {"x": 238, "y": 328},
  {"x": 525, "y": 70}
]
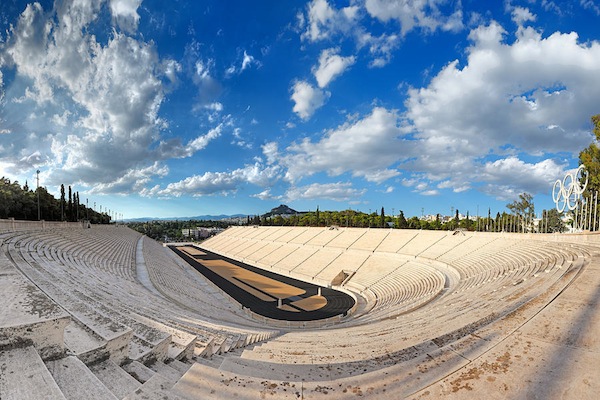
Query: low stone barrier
[{"x": 12, "y": 225}]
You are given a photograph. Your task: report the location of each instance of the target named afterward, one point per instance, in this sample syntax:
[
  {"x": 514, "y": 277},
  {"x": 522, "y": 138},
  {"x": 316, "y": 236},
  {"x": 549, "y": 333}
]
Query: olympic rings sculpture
[{"x": 568, "y": 192}]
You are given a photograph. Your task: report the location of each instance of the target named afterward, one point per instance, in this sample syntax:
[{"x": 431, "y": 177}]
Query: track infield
[{"x": 266, "y": 293}]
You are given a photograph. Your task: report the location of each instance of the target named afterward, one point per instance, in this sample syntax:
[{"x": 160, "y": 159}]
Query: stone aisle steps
[
  {"x": 23, "y": 375},
  {"x": 115, "y": 378},
  {"x": 76, "y": 381}
]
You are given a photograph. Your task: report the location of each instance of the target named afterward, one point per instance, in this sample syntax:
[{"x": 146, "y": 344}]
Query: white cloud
[
  {"x": 175, "y": 149},
  {"x": 223, "y": 183},
  {"x": 380, "y": 47},
  {"x": 271, "y": 152},
  {"x": 134, "y": 179},
  {"x": 516, "y": 176},
  {"x": 124, "y": 12},
  {"x": 247, "y": 61},
  {"x": 590, "y": 5},
  {"x": 209, "y": 183},
  {"x": 216, "y": 106},
  {"x": 325, "y": 22},
  {"x": 506, "y": 95},
  {"x": 331, "y": 65},
  {"x": 201, "y": 71},
  {"x": 340, "y": 191},
  {"x": 108, "y": 94},
  {"x": 265, "y": 195},
  {"x": 520, "y": 15},
  {"x": 452, "y": 116},
  {"x": 307, "y": 99},
  {"x": 365, "y": 148},
  {"x": 328, "y": 23},
  {"x": 423, "y": 14}
]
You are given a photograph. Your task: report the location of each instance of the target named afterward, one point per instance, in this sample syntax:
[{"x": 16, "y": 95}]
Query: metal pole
[
  {"x": 595, "y": 209},
  {"x": 589, "y": 213},
  {"x": 38, "y": 194},
  {"x": 583, "y": 214}
]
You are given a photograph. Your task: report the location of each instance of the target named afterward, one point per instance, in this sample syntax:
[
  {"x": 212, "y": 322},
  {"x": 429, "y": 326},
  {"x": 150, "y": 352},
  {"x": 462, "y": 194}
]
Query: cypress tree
[
  {"x": 62, "y": 202},
  {"x": 70, "y": 206}
]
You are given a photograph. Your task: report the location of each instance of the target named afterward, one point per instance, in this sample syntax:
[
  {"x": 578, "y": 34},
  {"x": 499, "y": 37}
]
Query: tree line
[
  {"x": 172, "y": 230},
  {"x": 21, "y": 202},
  {"x": 519, "y": 219}
]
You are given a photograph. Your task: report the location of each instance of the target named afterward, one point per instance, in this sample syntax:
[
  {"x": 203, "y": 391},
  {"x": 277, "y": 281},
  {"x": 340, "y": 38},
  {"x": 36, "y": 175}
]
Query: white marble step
[
  {"x": 156, "y": 388},
  {"x": 139, "y": 371},
  {"x": 76, "y": 381},
  {"x": 23, "y": 375},
  {"x": 115, "y": 378}
]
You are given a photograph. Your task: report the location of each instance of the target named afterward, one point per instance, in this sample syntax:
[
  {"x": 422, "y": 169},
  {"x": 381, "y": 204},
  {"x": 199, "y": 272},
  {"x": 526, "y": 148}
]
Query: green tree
[
  {"x": 382, "y": 218},
  {"x": 466, "y": 223},
  {"x": 402, "y": 223},
  {"x": 590, "y": 157},
  {"x": 523, "y": 210},
  {"x": 414, "y": 223},
  {"x": 70, "y": 205},
  {"x": 552, "y": 221},
  {"x": 62, "y": 202},
  {"x": 437, "y": 224}
]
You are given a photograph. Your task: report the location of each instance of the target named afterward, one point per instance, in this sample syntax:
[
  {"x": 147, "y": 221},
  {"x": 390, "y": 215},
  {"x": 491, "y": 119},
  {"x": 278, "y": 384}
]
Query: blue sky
[{"x": 207, "y": 107}]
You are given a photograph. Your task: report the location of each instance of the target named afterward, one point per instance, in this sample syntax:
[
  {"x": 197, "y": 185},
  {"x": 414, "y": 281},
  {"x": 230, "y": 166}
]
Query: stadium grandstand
[{"x": 104, "y": 312}]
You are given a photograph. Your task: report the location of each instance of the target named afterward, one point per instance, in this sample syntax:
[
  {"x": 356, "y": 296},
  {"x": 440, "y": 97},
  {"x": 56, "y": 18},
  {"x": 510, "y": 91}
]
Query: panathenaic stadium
[{"x": 107, "y": 313}]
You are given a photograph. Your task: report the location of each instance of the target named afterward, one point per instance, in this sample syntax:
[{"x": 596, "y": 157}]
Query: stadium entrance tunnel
[{"x": 266, "y": 293}]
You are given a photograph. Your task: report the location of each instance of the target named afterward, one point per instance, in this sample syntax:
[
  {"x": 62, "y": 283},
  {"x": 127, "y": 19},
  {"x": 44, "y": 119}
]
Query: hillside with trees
[{"x": 21, "y": 202}]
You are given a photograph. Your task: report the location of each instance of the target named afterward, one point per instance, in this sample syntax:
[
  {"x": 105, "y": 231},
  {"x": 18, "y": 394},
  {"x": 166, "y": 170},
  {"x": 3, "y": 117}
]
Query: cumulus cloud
[
  {"x": 124, "y": 13},
  {"x": 423, "y": 14},
  {"x": 307, "y": 99},
  {"x": 331, "y": 65},
  {"x": 265, "y": 195},
  {"x": 175, "y": 149},
  {"x": 507, "y": 102},
  {"x": 520, "y": 15},
  {"x": 507, "y": 96},
  {"x": 510, "y": 176},
  {"x": 325, "y": 22},
  {"x": 223, "y": 183},
  {"x": 366, "y": 148},
  {"x": 134, "y": 179},
  {"x": 339, "y": 191},
  {"x": 108, "y": 94}
]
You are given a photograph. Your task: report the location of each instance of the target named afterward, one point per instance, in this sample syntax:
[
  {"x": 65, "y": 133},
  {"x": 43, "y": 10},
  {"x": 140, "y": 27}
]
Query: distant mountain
[
  {"x": 195, "y": 218},
  {"x": 282, "y": 210}
]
